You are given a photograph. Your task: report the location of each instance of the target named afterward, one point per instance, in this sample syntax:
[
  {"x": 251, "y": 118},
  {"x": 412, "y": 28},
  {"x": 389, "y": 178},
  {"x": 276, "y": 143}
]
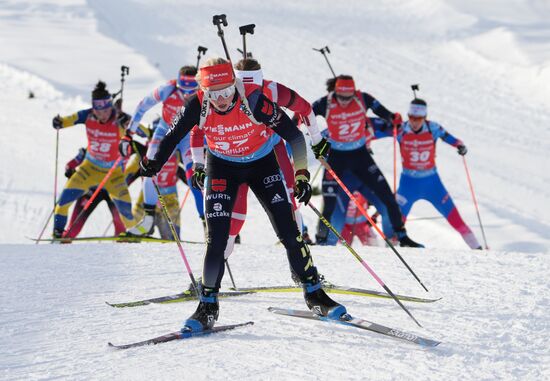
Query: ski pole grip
[{"x": 219, "y": 19}]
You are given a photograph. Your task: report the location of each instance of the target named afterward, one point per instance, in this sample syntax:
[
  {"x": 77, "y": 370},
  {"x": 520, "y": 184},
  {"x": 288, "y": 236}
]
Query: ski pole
[
  {"x": 124, "y": 71},
  {"x": 244, "y": 30},
  {"x": 184, "y": 199},
  {"x": 475, "y": 202},
  {"x": 364, "y": 212},
  {"x": 415, "y": 88},
  {"x": 316, "y": 173},
  {"x": 96, "y": 192},
  {"x": 176, "y": 237},
  {"x": 107, "y": 228},
  {"x": 45, "y": 225},
  {"x": 200, "y": 49},
  {"x": 230, "y": 274},
  {"x": 56, "y": 165},
  {"x": 395, "y": 160},
  {"x": 220, "y": 20},
  {"x": 362, "y": 261},
  {"x": 324, "y": 52}
]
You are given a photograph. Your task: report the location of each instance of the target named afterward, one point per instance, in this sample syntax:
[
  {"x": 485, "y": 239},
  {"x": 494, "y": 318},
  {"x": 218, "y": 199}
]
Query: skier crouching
[{"x": 239, "y": 124}]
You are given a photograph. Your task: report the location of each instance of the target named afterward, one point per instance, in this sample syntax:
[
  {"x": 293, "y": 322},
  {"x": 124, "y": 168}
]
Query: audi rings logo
[{"x": 271, "y": 179}]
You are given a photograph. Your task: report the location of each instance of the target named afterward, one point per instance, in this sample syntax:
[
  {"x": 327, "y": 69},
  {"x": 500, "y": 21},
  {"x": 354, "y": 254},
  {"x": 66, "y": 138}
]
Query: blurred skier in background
[
  {"x": 173, "y": 96},
  {"x": 419, "y": 178},
  {"x": 345, "y": 111},
  {"x": 104, "y": 129}
]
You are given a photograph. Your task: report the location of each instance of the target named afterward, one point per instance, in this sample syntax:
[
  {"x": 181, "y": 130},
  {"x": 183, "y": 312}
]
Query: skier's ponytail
[{"x": 100, "y": 91}]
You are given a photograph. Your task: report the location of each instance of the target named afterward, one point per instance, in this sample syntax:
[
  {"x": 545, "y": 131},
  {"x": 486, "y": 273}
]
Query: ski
[
  {"x": 176, "y": 298},
  {"x": 178, "y": 335},
  {"x": 331, "y": 288},
  {"x": 189, "y": 295},
  {"x": 361, "y": 324},
  {"x": 127, "y": 239}
]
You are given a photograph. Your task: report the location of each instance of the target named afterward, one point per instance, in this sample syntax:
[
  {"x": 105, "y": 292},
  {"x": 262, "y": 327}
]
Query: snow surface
[{"x": 483, "y": 68}]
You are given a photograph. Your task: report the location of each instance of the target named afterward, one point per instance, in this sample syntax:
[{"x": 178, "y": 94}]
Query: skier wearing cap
[
  {"x": 419, "y": 178},
  {"x": 104, "y": 130},
  {"x": 173, "y": 96},
  {"x": 237, "y": 121},
  {"x": 249, "y": 70},
  {"x": 345, "y": 111}
]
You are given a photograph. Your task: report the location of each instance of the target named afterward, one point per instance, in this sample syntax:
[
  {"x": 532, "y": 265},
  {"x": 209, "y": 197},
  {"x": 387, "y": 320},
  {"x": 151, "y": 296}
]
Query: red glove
[{"x": 397, "y": 120}]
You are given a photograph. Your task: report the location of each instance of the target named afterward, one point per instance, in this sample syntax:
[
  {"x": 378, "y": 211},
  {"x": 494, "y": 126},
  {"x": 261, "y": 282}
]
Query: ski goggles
[
  {"x": 102, "y": 104},
  {"x": 344, "y": 98},
  {"x": 224, "y": 93}
]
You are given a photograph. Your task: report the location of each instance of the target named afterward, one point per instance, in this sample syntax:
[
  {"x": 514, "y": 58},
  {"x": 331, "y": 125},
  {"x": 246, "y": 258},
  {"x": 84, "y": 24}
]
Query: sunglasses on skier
[
  {"x": 344, "y": 98},
  {"x": 224, "y": 93},
  {"x": 415, "y": 118},
  {"x": 102, "y": 104}
]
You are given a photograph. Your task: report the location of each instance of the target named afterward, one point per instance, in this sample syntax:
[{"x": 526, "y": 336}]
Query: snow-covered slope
[{"x": 483, "y": 68}]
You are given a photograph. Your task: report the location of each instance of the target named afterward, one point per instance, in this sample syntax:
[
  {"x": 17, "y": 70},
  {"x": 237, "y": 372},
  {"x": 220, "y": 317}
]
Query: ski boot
[
  {"x": 307, "y": 239},
  {"x": 405, "y": 241},
  {"x": 57, "y": 236},
  {"x": 147, "y": 224},
  {"x": 206, "y": 314},
  {"x": 320, "y": 303}
]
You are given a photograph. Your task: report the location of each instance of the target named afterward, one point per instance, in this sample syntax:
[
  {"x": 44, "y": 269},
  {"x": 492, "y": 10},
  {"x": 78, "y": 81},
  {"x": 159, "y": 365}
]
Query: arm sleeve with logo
[
  {"x": 272, "y": 116},
  {"x": 439, "y": 132},
  {"x": 76, "y": 118},
  {"x": 293, "y": 101},
  {"x": 319, "y": 107},
  {"x": 158, "y": 95},
  {"x": 376, "y": 107},
  {"x": 182, "y": 124},
  {"x": 197, "y": 145}
]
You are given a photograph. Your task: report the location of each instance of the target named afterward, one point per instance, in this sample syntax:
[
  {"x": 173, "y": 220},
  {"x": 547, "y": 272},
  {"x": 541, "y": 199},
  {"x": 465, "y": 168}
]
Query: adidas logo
[{"x": 276, "y": 199}]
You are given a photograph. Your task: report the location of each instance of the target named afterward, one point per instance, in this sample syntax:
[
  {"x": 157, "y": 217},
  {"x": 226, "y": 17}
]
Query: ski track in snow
[
  {"x": 58, "y": 325},
  {"x": 482, "y": 68}
]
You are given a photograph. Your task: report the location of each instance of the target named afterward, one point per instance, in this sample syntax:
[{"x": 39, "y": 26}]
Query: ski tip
[{"x": 428, "y": 343}]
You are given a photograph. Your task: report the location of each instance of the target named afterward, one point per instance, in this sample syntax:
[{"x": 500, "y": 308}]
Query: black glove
[
  {"x": 148, "y": 168},
  {"x": 462, "y": 150},
  {"x": 302, "y": 188},
  {"x": 125, "y": 146},
  {"x": 197, "y": 181},
  {"x": 69, "y": 171},
  {"x": 57, "y": 123},
  {"x": 123, "y": 119},
  {"x": 321, "y": 149}
]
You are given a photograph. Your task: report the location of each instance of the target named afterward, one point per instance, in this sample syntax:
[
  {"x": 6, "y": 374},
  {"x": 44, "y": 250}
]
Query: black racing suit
[
  {"x": 264, "y": 178},
  {"x": 361, "y": 164}
]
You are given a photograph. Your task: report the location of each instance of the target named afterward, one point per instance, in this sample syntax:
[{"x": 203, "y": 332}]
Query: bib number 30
[{"x": 420, "y": 156}]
